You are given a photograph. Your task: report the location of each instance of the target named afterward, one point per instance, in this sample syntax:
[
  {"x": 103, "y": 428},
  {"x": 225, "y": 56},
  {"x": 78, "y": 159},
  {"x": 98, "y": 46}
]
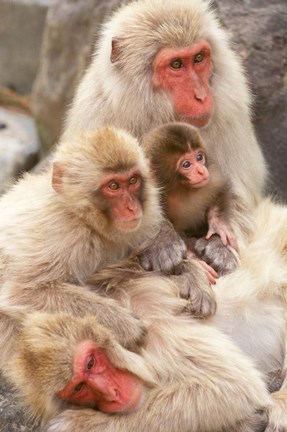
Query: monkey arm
[
  {"x": 166, "y": 251},
  {"x": 227, "y": 215},
  {"x": 217, "y": 225},
  {"x": 79, "y": 301},
  {"x": 192, "y": 284}
]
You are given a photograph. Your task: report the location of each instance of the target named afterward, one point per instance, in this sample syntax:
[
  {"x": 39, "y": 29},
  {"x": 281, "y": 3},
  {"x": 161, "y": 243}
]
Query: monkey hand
[
  {"x": 166, "y": 252},
  {"x": 209, "y": 271},
  {"x": 73, "y": 420},
  {"x": 223, "y": 259},
  {"x": 193, "y": 285},
  {"x": 225, "y": 233},
  {"x": 277, "y": 412}
]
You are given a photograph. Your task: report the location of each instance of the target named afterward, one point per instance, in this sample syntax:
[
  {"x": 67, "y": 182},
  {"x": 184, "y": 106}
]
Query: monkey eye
[
  {"x": 176, "y": 64},
  {"x": 114, "y": 185},
  {"x": 200, "y": 157},
  {"x": 79, "y": 387},
  {"x": 90, "y": 364},
  {"x": 198, "y": 58},
  {"x": 186, "y": 164},
  {"x": 133, "y": 180}
]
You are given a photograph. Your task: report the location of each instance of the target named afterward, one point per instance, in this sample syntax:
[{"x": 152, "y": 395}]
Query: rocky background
[{"x": 45, "y": 46}]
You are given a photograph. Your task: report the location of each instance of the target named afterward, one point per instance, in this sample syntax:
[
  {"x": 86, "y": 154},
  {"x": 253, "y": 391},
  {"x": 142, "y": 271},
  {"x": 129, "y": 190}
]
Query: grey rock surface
[
  {"x": 69, "y": 37},
  {"x": 12, "y": 419},
  {"x": 259, "y": 32},
  {"x": 21, "y": 28},
  {"x": 19, "y": 145}
]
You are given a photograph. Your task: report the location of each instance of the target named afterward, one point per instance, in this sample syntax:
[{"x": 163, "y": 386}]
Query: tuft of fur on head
[
  {"x": 90, "y": 155},
  {"x": 81, "y": 164},
  {"x": 153, "y": 25}
]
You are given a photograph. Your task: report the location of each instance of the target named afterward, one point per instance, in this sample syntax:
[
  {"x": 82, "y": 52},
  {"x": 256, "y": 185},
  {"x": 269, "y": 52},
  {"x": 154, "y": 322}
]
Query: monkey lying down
[{"x": 189, "y": 375}]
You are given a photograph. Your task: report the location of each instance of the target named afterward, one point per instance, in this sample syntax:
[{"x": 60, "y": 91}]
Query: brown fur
[
  {"x": 186, "y": 207},
  {"x": 53, "y": 238}
]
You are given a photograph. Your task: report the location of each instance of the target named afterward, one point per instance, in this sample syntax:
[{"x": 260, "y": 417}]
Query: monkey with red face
[
  {"x": 170, "y": 60},
  {"x": 194, "y": 192},
  {"x": 95, "y": 205},
  {"x": 101, "y": 375}
]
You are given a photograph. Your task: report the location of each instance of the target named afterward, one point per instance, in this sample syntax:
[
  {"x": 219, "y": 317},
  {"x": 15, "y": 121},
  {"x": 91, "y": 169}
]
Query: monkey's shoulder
[{"x": 40, "y": 238}]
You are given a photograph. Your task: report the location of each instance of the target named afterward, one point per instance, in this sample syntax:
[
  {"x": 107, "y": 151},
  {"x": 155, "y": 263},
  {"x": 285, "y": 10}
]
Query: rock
[
  {"x": 68, "y": 42},
  {"x": 12, "y": 418},
  {"x": 19, "y": 145},
  {"x": 21, "y": 28},
  {"x": 259, "y": 33}
]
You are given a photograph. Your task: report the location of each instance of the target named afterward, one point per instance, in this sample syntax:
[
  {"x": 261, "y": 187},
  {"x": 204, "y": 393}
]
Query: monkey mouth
[
  {"x": 199, "y": 121},
  {"x": 200, "y": 183},
  {"x": 129, "y": 224},
  {"x": 135, "y": 401}
]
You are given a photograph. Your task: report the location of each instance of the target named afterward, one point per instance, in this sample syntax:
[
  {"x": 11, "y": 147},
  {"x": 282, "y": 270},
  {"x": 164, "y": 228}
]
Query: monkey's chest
[{"x": 187, "y": 213}]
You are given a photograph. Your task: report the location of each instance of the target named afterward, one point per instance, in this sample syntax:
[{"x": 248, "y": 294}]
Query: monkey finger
[
  {"x": 166, "y": 264},
  {"x": 165, "y": 260},
  {"x": 201, "y": 302},
  {"x": 219, "y": 232},
  {"x": 210, "y": 278},
  {"x": 211, "y": 274},
  {"x": 209, "y": 234},
  {"x": 232, "y": 241},
  {"x": 221, "y": 258},
  {"x": 223, "y": 236}
]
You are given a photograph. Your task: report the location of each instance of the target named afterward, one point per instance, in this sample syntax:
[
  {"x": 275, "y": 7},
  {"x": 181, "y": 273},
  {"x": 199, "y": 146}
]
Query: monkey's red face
[
  {"x": 185, "y": 75},
  {"x": 192, "y": 169},
  {"x": 99, "y": 384},
  {"x": 122, "y": 194}
]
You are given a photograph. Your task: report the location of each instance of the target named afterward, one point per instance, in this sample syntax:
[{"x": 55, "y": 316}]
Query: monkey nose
[{"x": 200, "y": 94}]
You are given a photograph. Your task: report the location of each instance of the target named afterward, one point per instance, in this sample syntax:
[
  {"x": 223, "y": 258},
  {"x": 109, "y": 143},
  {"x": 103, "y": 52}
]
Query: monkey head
[
  {"x": 74, "y": 360},
  {"x": 177, "y": 156},
  {"x": 104, "y": 179}
]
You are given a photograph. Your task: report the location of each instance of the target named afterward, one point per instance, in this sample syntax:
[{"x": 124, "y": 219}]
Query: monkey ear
[
  {"x": 57, "y": 177},
  {"x": 116, "y": 48}
]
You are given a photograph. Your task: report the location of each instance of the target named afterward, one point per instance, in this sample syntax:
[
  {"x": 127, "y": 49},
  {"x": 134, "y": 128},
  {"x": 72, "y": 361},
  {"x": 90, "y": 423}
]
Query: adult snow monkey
[{"x": 170, "y": 60}]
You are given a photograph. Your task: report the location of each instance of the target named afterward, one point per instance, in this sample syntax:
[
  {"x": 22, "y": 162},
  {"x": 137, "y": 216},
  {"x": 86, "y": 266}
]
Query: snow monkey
[
  {"x": 190, "y": 373},
  {"x": 170, "y": 60},
  {"x": 194, "y": 192},
  {"x": 198, "y": 374},
  {"x": 206, "y": 371},
  {"x": 96, "y": 204}
]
